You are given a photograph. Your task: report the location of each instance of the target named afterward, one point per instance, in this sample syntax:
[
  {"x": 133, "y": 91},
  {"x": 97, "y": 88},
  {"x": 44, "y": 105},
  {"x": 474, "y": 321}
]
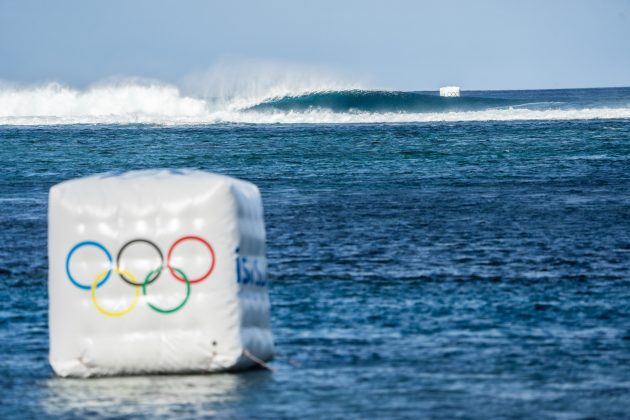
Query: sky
[{"x": 395, "y": 44}]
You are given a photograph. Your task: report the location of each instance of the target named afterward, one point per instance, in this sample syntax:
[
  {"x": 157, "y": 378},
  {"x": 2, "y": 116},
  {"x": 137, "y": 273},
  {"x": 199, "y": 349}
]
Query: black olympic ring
[{"x": 154, "y": 274}]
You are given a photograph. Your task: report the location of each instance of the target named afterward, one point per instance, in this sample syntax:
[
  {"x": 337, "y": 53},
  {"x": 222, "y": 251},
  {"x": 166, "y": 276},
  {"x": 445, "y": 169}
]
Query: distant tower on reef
[{"x": 449, "y": 91}]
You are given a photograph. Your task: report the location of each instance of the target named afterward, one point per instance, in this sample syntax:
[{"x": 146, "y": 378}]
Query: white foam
[
  {"x": 116, "y": 103},
  {"x": 328, "y": 117}
]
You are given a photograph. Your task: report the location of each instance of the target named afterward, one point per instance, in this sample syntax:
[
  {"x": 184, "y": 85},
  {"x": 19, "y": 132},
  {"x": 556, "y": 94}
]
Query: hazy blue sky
[{"x": 396, "y": 44}]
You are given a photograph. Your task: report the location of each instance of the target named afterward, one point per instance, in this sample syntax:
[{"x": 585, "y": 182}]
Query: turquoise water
[{"x": 443, "y": 269}]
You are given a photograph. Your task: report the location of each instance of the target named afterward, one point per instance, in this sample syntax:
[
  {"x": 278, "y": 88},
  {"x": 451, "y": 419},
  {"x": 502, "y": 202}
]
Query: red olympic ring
[{"x": 170, "y": 253}]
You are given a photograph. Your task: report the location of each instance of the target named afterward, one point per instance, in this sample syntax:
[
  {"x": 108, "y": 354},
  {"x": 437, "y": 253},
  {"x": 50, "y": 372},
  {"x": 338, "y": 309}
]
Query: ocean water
[{"x": 428, "y": 257}]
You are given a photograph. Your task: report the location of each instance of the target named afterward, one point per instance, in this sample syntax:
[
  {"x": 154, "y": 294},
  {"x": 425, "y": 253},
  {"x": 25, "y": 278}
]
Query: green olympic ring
[{"x": 161, "y": 310}]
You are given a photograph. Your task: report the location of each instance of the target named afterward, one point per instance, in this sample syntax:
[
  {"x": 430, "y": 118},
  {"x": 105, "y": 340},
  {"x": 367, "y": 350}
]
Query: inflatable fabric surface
[{"x": 156, "y": 272}]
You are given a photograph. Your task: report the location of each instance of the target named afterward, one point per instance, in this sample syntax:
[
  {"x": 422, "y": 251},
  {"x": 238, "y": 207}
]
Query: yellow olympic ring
[{"x": 124, "y": 311}]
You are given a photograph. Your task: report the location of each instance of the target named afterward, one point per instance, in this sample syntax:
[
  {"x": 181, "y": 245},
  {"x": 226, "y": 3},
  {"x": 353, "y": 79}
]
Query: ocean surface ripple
[{"x": 466, "y": 269}]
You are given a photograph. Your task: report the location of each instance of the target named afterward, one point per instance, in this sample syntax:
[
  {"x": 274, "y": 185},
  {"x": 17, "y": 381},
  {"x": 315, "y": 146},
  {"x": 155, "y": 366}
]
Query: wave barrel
[
  {"x": 449, "y": 91},
  {"x": 159, "y": 271}
]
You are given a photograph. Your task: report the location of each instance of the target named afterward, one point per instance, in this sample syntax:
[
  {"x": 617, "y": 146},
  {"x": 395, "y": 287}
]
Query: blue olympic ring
[{"x": 88, "y": 243}]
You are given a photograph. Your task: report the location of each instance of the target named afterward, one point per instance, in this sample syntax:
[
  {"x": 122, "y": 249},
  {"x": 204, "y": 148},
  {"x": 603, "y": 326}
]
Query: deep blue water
[{"x": 471, "y": 269}]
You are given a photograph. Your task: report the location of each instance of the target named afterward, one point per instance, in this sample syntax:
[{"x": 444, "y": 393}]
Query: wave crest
[{"x": 155, "y": 103}]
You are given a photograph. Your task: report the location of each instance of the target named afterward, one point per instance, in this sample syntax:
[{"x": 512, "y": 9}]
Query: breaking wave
[{"x": 157, "y": 103}]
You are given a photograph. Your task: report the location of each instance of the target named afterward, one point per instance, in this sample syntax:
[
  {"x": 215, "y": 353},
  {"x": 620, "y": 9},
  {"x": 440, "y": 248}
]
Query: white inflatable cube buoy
[{"x": 157, "y": 272}]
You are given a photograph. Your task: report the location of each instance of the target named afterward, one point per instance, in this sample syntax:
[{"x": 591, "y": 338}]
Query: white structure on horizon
[{"x": 449, "y": 91}]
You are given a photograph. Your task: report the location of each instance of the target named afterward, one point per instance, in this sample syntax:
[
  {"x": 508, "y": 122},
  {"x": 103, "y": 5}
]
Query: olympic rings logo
[{"x": 142, "y": 286}]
